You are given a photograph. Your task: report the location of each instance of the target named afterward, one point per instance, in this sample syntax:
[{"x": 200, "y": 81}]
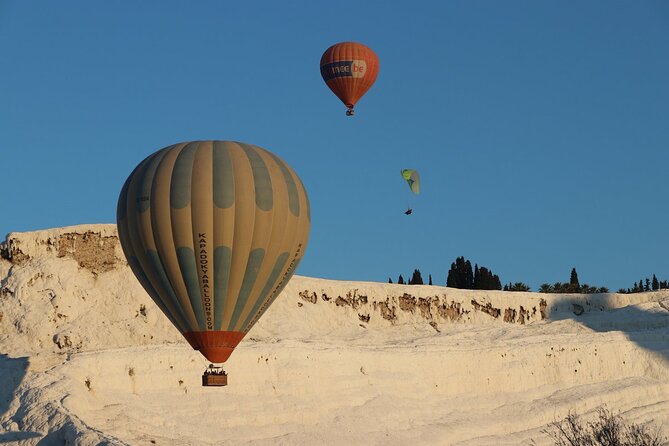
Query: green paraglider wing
[{"x": 413, "y": 180}]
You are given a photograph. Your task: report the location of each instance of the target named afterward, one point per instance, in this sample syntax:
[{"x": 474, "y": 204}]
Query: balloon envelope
[
  {"x": 213, "y": 230},
  {"x": 413, "y": 180},
  {"x": 349, "y": 69}
]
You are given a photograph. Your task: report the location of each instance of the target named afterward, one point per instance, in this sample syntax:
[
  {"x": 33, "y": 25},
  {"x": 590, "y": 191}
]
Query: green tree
[
  {"x": 518, "y": 286},
  {"x": 573, "y": 279},
  {"x": 469, "y": 276},
  {"x": 452, "y": 278},
  {"x": 400, "y": 280},
  {"x": 460, "y": 275},
  {"x": 416, "y": 278},
  {"x": 487, "y": 280},
  {"x": 481, "y": 278},
  {"x": 656, "y": 283}
]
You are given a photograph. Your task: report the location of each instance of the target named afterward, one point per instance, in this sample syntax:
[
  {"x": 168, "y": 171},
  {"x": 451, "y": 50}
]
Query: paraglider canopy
[{"x": 413, "y": 180}]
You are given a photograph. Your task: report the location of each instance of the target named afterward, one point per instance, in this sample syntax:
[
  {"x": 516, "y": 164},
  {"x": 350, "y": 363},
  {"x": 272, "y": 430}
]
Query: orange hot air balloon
[{"x": 349, "y": 69}]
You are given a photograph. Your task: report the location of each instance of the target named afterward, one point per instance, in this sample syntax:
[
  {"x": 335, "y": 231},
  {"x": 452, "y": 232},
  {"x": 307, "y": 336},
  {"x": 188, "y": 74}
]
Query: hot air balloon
[
  {"x": 349, "y": 69},
  {"x": 413, "y": 180},
  {"x": 213, "y": 230}
]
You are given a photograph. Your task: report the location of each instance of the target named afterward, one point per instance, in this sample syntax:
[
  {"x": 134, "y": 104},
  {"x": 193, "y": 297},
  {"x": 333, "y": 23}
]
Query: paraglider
[
  {"x": 213, "y": 230},
  {"x": 413, "y": 180},
  {"x": 349, "y": 69}
]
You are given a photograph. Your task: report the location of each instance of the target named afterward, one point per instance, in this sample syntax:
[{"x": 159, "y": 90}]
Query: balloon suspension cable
[
  {"x": 214, "y": 376},
  {"x": 350, "y": 111}
]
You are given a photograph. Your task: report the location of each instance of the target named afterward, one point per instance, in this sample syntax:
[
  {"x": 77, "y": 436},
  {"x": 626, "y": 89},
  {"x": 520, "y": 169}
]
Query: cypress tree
[
  {"x": 469, "y": 276},
  {"x": 430, "y": 279},
  {"x": 481, "y": 278},
  {"x": 487, "y": 280},
  {"x": 496, "y": 282},
  {"x": 461, "y": 275},
  {"x": 390, "y": 280},
  {"x": 484, "y": 278},
  {"x": 656, "y": 284},
  {"x": 458, "y": 275},
  {"x": 573, "y": 279},
  {"x": 400, "y": 280},
  {"x": 451, "y": 280},
  {"x": 416, "y": 278}
]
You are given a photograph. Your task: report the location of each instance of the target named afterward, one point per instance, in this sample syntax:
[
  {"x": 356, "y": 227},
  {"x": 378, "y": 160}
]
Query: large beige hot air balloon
[{"x": 213, "y": 230}]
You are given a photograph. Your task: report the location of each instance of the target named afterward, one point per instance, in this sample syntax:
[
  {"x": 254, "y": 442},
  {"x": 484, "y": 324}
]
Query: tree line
[
  {"x": 647, "y": 285},
  {"x": 574, "y": 286},
  {"x": 462, "y": 275},
  {"x": 416, "y": 279}
]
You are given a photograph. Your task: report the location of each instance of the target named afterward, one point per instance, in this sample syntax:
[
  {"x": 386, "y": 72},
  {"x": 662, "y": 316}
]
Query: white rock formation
[{"x": 87, "y": 358}]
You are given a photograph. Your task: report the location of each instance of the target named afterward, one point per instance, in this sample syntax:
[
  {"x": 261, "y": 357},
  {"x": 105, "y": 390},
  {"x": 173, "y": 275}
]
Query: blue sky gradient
[{"x": 540, "y": 129}]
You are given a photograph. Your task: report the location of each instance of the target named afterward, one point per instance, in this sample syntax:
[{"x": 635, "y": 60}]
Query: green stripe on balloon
[
  {"x": 261, "y": 178},
  {"x": 144, "y": 190},
  {"x": 222, "y": 264},
  {"x": 159, "y": 270},
  {"x": 267, "y": 289},
  {"x": 293, "y": 196},
  {"x": 223, "y": 175},
  {"x": 136, "y": 268},
  {"x": 252, "y": 268},
  {"x": 306, "y": 198},
  {"x": 182, "y": 172},
  {"x": 186, "y": 258}
]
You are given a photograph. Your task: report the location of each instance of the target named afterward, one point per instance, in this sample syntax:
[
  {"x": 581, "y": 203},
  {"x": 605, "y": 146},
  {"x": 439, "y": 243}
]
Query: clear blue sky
[{"x": 540, "y": 129}]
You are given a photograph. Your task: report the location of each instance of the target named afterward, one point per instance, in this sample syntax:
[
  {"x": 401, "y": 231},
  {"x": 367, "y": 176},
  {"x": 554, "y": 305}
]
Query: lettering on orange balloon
[{"x": 359, "y": 68}]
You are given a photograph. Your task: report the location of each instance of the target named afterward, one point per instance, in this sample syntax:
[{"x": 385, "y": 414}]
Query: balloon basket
[
  {"x": 214, "y": 376},
  {"x": 350, "y": 112}
]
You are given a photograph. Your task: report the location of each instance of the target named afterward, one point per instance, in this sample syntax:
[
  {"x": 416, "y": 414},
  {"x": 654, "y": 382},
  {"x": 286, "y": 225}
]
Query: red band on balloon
[{"x": 216, "y": 346}]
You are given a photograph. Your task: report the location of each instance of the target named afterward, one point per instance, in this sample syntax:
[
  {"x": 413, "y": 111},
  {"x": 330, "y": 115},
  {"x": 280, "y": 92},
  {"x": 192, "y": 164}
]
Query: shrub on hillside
[{"x": 606, "y": 430}]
